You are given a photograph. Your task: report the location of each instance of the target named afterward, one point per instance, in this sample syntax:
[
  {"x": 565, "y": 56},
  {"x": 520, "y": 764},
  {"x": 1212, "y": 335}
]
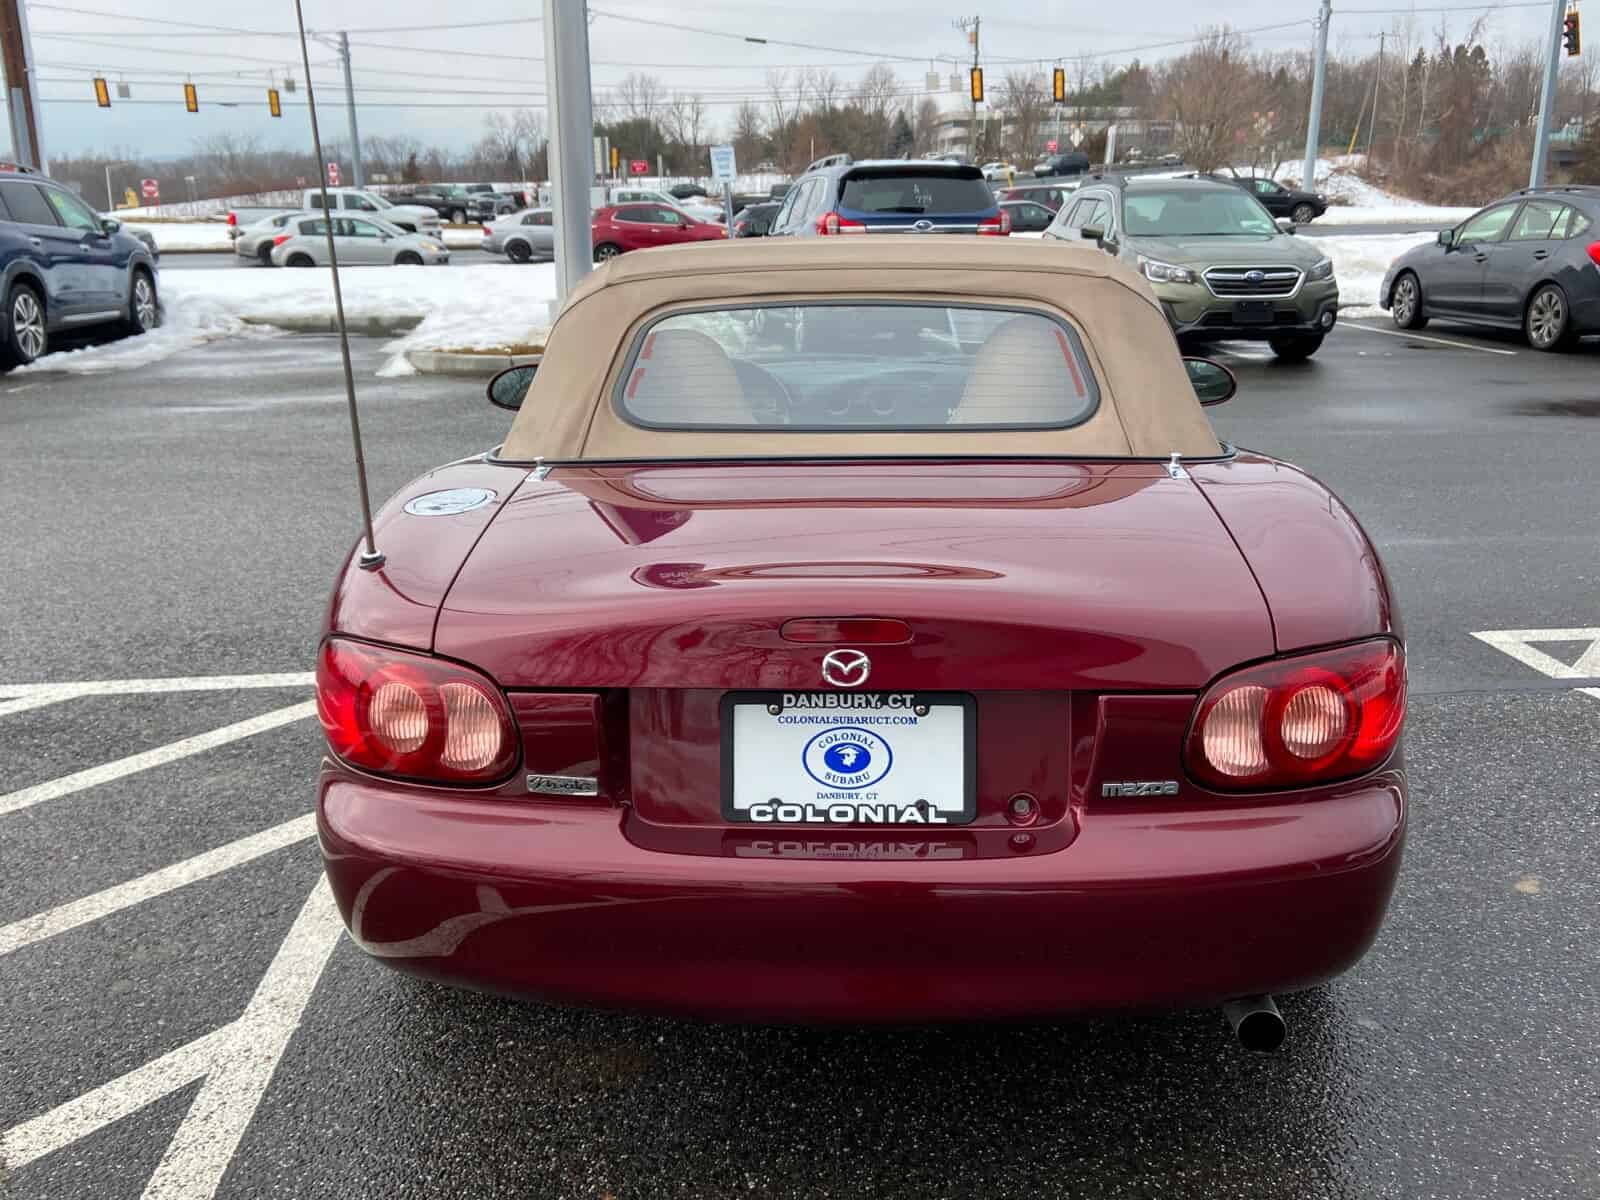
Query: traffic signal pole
[
  {"x": 1308, "y": 179},
  {"x": 350, "y": 111},
  {"x": 16, "y": 54},
  {"x": 1547, "y": 97}
]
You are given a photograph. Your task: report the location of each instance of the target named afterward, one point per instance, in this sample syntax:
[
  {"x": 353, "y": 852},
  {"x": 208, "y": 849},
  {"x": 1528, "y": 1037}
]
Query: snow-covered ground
[
  {"x": 470, "y": 310},
  {"x": 189, "y": 236}
]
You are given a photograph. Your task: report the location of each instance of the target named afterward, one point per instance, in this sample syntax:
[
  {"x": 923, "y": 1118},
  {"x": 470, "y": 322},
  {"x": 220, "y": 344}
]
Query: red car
[
  {"x": 624, "y": 227},
  {"x": 866, "y": 630}
]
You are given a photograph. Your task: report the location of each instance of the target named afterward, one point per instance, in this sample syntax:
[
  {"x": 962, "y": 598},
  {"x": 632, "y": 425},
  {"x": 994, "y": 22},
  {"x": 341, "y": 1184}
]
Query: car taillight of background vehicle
[
  {"x": 1594, "y": 253},
  {"x": 1311, "y": 719},
  {"x": 397, "y": 713},
  {"x": 999, "y": 226},
  {"x": 830, "y": 223},
  {"x": 281, "y": 239},
  {"x": 233, "y": 218},
  {"x": 487, "y": 232}
]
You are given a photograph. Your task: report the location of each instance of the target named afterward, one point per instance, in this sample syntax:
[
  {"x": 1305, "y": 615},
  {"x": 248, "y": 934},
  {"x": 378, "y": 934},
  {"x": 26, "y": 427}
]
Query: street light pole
[
  {"x": 566, "y": 63},
  {"x": 350, "y": 110},
  {"x": 1547, "y": 97},
  {"x": 1314, "y": 121}
]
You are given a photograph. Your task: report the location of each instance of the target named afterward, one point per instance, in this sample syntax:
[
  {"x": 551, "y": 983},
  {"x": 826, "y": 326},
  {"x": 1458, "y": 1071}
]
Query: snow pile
[
  {"x": 1358, "y": 202},
  {"x": 1359, "y": 263},
  {"x": 450, "y": 310}
]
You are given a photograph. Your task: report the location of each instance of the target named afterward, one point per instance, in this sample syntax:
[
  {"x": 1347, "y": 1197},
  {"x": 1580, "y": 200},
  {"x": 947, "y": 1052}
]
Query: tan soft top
[{"x": 1147, "y": 406}]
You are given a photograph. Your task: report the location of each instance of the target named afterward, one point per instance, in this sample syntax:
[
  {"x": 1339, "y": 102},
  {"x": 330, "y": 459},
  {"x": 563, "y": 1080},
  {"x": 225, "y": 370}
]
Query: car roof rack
[
  {"x": 1113, "y": 178},
  {"x": 1582, "y": 189}
]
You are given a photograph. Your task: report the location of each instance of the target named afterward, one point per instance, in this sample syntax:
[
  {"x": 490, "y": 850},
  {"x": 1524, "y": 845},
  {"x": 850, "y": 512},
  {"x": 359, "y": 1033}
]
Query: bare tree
[
  {"x": 784, "y": 102},
  {"x": 685, "y": 119},
  {"x": 747, "y": 134},
  {"x": 925, "y": 129},
  {"x": 1025, "y": 104},
  {"x": 1211, "y": 93}
]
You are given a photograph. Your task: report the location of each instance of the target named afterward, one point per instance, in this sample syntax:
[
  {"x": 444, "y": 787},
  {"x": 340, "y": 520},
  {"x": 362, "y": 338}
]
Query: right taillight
[
  {"x": 1293, "y": 722},
  {"x": 395, "y": 712},
  {"x": 830, "y": 223},
  {"x": 1594, "y": 253}
]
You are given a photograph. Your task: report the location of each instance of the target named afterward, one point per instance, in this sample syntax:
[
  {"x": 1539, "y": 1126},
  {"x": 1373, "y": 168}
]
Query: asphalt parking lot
[{"x": 181, "y": 1017}]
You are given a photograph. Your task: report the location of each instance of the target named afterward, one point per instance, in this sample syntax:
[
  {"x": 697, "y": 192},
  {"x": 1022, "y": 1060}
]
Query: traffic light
[
  {"x": 191, "y": 99},
  {"x": 977, "y": 85},
  {"x": 616, "y": 160},
  {"x": 273, "y": 106},
  {"x": 1058, "y": 85},
  {"x": 1569, "y": 33},
  {"x": 102, "y": 93}
]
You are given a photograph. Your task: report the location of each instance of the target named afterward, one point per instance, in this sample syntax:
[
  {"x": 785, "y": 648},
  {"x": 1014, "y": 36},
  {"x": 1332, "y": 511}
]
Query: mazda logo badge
[{"x": 846, "y": 668}]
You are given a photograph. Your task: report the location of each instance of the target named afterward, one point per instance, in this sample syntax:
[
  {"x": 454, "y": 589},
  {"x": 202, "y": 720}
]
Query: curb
[
  {"x": 369, "y": 327},
  {"x": 461, "y": 362}
]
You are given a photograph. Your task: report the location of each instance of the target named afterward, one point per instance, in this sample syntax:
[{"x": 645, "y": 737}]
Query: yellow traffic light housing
[
  {"x": 102, "y": 93},
  {"x": 273, "y": 105},
  {"x": 977, "y": 85},
  {"x": 1569, "y": 33},
  {"x": 1058, "y": 85},
  {"x": 191, "y": 98}
]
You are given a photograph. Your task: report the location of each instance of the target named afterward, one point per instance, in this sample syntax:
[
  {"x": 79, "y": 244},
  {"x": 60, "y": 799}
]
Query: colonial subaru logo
[
  {"x": 846, "y": 668},
  {"x": 847, "y": 757},
  {"x": 1254, "y": 277}
]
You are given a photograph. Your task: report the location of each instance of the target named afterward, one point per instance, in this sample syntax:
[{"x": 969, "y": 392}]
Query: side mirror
[
  {"x": 1447, "y": 238},
  {"x": 110, "y": 225},
  {"x": 1285, "y": 225},
  {"x": 1213, "y": 383},
  {"x": 1091, "y": 233},
  {"x": 509, "y": 388}
]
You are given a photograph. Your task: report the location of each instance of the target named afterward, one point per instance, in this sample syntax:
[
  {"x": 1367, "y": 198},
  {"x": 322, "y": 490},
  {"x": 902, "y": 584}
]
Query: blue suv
[
  {"x": 890, "y": 196},
  {"x": 63, "y": 266}
]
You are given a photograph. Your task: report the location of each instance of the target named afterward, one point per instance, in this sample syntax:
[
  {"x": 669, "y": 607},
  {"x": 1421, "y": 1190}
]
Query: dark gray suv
[{"x": 63, "y": 266}]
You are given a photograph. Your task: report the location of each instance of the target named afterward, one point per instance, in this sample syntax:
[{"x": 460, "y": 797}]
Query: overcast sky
[{"x": 464, "y": 71}]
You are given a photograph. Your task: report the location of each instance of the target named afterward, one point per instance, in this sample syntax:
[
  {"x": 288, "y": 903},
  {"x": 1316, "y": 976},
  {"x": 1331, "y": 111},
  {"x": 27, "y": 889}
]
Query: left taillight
[
  {"x": 996, "y": 226},
  {"x": 281, "y": 239},
  {"x": 1296, "y": 722},
  {"x": 408, "y": 715}
]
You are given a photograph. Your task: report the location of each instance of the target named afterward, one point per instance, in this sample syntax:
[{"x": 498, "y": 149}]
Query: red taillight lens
[
  {"x": 281, "y": 239},
  {"x": 398, "y": 713},
  {"x": 1298, "y": 721},
  {"x": 999, "y": 226},
  {"x": 487, "y": 232},
  {"x": 831, "y": 223},
  {"x": 233, "y": 218},
  {"x": 1594, "y": 253}
]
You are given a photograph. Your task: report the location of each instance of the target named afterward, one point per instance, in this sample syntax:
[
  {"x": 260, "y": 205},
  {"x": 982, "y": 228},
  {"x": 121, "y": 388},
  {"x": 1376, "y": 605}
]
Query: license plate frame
[
  {"x": 834, "y": 710},
  {"x": 1252, "y": 312}
]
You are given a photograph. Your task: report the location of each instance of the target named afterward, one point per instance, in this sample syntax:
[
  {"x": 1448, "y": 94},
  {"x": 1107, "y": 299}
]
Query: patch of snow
[{"x": 1359, "y": 264}]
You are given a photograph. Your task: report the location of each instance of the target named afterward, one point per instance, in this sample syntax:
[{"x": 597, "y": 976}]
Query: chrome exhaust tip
[{"x": 1256, "y": 1022}]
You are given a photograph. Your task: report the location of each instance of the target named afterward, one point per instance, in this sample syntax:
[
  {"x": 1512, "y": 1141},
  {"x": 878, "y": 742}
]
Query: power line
[
  {"x": 218, "y": 30},
  {"x": 758, "y": 40}
]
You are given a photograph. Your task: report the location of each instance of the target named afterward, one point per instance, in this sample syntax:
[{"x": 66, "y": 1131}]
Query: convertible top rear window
[{"x": 866, "y": 366}]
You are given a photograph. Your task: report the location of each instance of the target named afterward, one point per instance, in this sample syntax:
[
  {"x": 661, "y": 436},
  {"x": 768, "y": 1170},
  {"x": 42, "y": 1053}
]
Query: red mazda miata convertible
[{"x": 866, "y": 632}]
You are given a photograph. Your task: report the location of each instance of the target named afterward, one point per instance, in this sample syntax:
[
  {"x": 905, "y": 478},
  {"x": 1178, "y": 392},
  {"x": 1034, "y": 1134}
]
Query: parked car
[
  {"x": 998, "y": 172},
  {"x": 779, "y": 190},
  {"x": 64, "y": 266},
  {"x": 1220, "y": 264},
  {"x": 624, "y": 227},
  {"x": 890, "y": 196},
  {"x": 359, "y": 241},
  {"x": 1027, "y": 216},
  {"x": 449, "y": 201},
  {"x": 700, "y": 212},
  {"x": 1122, "y": 729},
  {"x": 1073, "y": 162},
  {"x": 411, "y": 218},
  {"x": 756, "y": 220},
  {"x": 1299, "y": 206},
  {"x": 489, "y": 204},
  {"x": 254, "y": 242},
  {"x": 1170, "y": 160},
  {"x": 523, "y": 237},
  {"x": 1051, "y": 195},
  {"x": 686, "y": 191},
  {"x": 1530, "y": 260}
]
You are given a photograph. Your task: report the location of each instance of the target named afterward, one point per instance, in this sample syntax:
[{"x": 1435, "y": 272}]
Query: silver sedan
[
  {"x": 358, "y": 241},
  {"x": 523, "y": 236},
  {"x": 255, "y": 241}
]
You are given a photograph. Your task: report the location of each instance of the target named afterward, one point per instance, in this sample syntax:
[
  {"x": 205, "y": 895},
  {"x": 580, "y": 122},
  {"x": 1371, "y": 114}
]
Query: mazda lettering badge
[{"x": 846, "y": 668}]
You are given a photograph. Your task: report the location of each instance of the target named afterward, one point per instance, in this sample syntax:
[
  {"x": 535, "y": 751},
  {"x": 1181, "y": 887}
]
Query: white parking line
[
  {"x": 236, "y": 1061},
  {"x": 74, "y": 913},
  {"x": 173, "y": 751},
  {"x": 1518, "y": 643},
  {"x": 1418, "y": 337},
  {"x": 36, "y": 695}
]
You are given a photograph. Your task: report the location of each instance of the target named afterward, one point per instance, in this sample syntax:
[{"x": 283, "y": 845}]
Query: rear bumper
[{"x": 1144, "y": 909}]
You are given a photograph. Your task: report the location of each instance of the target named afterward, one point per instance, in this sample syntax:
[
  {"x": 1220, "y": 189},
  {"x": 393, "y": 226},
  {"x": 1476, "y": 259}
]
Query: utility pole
[
  {"x": 566, "y": 61},
  {"x": 970, "y": 26},
  {"x": 1377, "y": 85},
  {"x": 16, "y": 52},
  {"x": 1547, "y": 96},
  {"x": 350, "y": 111},
  {"x": 1314, "y": 121}
]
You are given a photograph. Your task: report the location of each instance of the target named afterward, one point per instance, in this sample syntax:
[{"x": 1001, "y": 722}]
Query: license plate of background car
[
  {"x": 849, "y": 758},
  {"x": 1252, "y": 312}
]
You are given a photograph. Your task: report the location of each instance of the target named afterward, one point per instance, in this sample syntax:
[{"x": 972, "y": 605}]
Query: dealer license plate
[
  {"x": 849, "y": 758},
  {"x": 1252, "y": 312}
]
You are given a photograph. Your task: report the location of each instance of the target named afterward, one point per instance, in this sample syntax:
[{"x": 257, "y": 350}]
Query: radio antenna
[{"x": 369, "y": 559}]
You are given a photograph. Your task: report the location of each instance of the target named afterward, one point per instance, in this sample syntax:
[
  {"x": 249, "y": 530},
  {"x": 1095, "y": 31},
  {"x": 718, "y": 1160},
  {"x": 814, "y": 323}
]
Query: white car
[
  {"x": 359, "y": 241},
  {"x": 527, "y": 236},
  {"x": 700, "y": 212},
  {"x": 998, "y": 172}
]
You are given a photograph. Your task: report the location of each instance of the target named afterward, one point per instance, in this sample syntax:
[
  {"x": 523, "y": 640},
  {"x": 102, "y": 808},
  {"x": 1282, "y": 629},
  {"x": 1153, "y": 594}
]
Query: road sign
[
  {"x": 150, "y": 189},
  {"x": 638, "y": 166},
  {"x": 1051, "y": 146},
  {"x": 1077, "y": 138},
  {"x": 723, "y": 167},
  {"x": 333, "y": 174}
]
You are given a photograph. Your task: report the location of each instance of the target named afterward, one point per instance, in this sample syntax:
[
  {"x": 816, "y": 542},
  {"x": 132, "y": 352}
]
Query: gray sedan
[
  {"x": 523, "y": 236},
  {"x": 359, "y": 241},
  {"x": 255, "y": 241}
]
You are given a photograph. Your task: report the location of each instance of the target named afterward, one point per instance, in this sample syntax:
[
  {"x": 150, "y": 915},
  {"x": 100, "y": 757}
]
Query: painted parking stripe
[
  {"x": 18, "y": 697},
  {"x": 161, "y": 755},
  {"x": 1418, "y": 337},
  {"x": 1520, "y": 645},
  {"x": 74, "y": 913},
  {"x": 236, "y": 1061}
]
